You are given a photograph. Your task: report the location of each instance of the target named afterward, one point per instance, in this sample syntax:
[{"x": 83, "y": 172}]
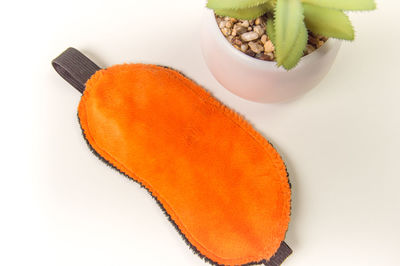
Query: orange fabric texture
[{"x": 223, "y": 185}]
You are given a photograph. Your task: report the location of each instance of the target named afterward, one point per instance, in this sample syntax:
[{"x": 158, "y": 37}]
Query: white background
[{"x": 60, "y": 205}]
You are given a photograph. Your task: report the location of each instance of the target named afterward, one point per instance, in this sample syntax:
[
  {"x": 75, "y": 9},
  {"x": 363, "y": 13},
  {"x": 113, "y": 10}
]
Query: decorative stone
[
  {"x": 222, "y": 24},
  {"x": 270, "y": 56},
  {"x": 244, "y": 47},
  {"x": 250, "y": 53},
  {"x": 310, "y": 49},
  {"x": 228, "y": 24},
  {"x": 268, "y": 47},
  {"x": 226, "y": 31},
  {"x": 260, "y": 31},
  {"x": 265, "y": 57},
  {"x": 264, "y": 39},
  {"x": 249, "y": 36},
  {"x": 258, "y": 21},
  {"x": 245, "y": 23},
  {"x": 239, "y": 29},
  {"x": 237, "y": 42},
  {"x": 255, "y": 47}
]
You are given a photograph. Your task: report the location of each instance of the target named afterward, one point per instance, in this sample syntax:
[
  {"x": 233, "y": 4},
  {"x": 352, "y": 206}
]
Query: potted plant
[{"x": 274, "y": 50}]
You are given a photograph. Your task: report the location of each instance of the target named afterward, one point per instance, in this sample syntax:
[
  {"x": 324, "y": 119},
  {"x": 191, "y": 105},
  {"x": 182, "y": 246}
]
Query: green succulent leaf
[
  {"x": 288, "y": 24},
  {"x": 297, "y": 50},
  {"x": 234, "y": 4},
  {"x": 271, "y": 30},
  {"x": 246, "y": 13},
  {"x": 344, "y": 4},
  {"x": 328, "y": 22}
]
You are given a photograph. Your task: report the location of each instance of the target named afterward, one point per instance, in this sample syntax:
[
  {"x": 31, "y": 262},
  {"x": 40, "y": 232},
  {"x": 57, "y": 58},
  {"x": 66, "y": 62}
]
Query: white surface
[
  {"x": 60, "y": 205},
  {"x": 258, "y": 80}
]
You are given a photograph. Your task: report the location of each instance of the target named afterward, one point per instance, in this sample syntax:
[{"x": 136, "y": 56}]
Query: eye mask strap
[
  {"x": 281, "y": 254},
  {"x": 75, "y": 68}
]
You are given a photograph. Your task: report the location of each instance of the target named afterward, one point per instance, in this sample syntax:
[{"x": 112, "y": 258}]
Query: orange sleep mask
[{"x": 220, "y": 182}]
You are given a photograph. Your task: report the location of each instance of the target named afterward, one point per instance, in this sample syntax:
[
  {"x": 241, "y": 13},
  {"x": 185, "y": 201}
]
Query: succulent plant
[{"x": 288, "y": 21}]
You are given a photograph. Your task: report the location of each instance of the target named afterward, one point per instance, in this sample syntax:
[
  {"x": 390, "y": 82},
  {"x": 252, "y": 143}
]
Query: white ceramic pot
[{"x": 258, "y": 80}]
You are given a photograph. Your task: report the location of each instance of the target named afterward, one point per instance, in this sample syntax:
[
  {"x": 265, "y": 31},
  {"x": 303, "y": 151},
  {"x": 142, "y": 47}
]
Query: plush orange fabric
[{"x": 223, "y": 185}]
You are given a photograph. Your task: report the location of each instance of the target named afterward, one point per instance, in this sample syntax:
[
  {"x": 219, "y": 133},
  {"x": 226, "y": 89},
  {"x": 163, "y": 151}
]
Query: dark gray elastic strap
[
  {"x": 75, "y": 68},
  {"x": 283, "y": 252}
]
